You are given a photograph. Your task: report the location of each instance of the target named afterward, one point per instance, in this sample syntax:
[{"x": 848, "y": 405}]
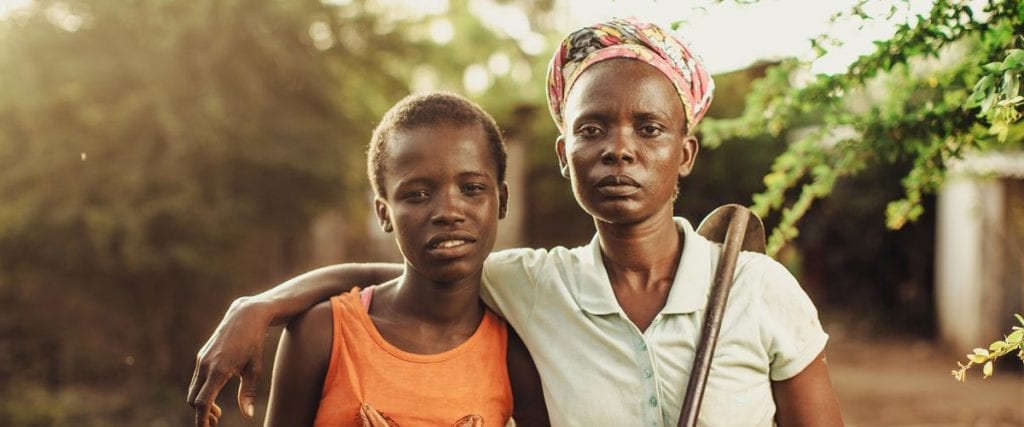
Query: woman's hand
[
  {"x": 234, "y": 350},
  {"x": 236, "y": 347}
]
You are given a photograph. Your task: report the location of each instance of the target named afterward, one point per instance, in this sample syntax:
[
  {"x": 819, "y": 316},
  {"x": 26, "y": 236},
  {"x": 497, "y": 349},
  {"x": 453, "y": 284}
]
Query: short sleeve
[
  {"x": 508, "y": 286},
  {"x": 790, "y": 329}
]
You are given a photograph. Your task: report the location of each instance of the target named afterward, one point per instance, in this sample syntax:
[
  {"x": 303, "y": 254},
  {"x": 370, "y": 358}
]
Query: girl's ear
[
  {"x": 503, "y": 200},
  {"x": 383, "y": 214},
  {"x": 563, "y": 161}
]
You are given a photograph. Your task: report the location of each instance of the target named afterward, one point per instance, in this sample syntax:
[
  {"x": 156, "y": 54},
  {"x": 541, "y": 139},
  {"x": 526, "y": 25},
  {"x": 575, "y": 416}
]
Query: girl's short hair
[{"x": 430, "y": 110}]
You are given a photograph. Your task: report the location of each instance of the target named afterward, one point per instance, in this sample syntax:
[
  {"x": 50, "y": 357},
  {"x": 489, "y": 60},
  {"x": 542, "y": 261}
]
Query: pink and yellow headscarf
[{"x": 629, "y": 38}]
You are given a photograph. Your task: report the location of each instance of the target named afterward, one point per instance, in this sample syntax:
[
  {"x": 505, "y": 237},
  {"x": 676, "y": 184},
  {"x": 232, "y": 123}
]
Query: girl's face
[
  {"x": 443, "y": 199},
  {"x": 625, "y": 145}
]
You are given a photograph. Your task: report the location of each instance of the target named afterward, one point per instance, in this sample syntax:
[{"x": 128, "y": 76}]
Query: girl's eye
[{"x": 416, "y": 195}]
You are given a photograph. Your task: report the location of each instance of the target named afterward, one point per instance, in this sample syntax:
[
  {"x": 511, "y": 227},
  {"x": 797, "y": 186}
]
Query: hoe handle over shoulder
[{"x": 737, "y": 229}]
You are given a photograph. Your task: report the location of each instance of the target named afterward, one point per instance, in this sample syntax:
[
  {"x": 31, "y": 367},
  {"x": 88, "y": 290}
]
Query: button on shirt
[{"x": 597, "y": 368}]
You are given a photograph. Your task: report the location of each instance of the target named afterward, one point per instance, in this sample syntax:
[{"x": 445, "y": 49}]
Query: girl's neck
[
  {"x": 437, "y": 304},
  {"x": 424, "y": 317}
]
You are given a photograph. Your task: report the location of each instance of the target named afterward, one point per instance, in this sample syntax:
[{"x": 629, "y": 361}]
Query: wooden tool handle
[{"x": 713, "y": 317}]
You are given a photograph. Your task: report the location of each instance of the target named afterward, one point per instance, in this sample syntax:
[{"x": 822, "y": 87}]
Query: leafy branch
[
  {"x": 1009, "y": 344},
  {"x": 892, "y": 105}
]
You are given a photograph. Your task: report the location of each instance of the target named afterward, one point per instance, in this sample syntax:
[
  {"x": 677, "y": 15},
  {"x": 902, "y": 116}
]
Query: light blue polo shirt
[{"x": 598, "y": 369}]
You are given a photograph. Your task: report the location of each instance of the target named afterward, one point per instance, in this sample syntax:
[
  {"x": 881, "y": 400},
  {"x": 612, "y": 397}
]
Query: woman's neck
[
  {"x": 641, "y": 254},
  {"x": 641, "y": 260}
]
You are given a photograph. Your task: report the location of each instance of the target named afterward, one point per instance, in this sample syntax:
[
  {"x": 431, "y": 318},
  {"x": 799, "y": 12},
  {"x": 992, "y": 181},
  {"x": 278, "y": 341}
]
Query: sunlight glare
[
  {"x": 476, "y": 79},
  {"x": 60, "y": 15},
  {"x": 9, "y": 7},
  {"x": 499, "y": 63},
  {"x": 441, "y": 31},
  {"x": 510, "y": 20},
  {"x": 321, "y": 35},
  {"x": 731, "y": 36},
  {"x": 424, "y": 79}
]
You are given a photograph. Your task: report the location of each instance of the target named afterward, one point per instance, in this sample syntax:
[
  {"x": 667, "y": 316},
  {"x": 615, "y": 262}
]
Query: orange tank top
[{"x": 412, "y": 389}]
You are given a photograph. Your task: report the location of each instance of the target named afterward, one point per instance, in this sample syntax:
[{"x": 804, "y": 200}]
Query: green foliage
[
  {"x": 160, "y": 157},
  {"x": 929, "y": 114},
  {"x": 1013, "y": 342},
  {"x": 141, "y": 143}
]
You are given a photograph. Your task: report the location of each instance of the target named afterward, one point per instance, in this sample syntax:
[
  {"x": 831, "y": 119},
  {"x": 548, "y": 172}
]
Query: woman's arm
[
  {"x": 303, "y": 357},
  {"x": 528, "y": 406},
  {"x": 807, "y": 399},
  {"x": 236, "y": 347}
]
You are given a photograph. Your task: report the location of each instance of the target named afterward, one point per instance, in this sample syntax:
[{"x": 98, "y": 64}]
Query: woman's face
[
  {"x": 443, "y": 199},
  {"x": 625, "y": 145}
]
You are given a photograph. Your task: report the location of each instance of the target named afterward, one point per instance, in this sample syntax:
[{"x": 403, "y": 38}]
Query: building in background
[{"x": 979, "y": 265}]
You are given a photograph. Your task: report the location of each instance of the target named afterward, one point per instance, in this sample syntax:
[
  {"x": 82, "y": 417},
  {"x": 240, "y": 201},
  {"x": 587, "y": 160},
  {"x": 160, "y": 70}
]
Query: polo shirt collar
[
  {"x": 689, "y": 291},
  {"x": 692, "y": 283}
]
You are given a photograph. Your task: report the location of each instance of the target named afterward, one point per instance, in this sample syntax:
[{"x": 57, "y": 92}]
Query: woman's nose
[{"x": 620, "y": 148}]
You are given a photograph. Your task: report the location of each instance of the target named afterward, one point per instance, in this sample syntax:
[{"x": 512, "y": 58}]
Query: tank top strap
[{"x": 366, "y": 295}]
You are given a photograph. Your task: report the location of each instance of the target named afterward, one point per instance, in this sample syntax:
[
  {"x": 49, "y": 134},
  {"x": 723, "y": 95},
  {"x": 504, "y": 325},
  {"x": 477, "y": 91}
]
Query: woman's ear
[
  {"x": 503, "y": 200},
  {"x": 689, "y": 157},
  {"x": 383, "y": 214},
  {"x": 563, "y": 161}
]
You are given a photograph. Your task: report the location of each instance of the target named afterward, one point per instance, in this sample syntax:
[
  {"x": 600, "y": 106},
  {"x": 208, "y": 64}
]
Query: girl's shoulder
[{"x": 312, "y": 330}]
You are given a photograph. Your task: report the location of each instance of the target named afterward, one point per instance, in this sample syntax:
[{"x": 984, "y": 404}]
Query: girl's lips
[
  {"x": 454, "y": 248},
  {"x": 449, "y": 245},
  {"x": 450, "y": 239}
]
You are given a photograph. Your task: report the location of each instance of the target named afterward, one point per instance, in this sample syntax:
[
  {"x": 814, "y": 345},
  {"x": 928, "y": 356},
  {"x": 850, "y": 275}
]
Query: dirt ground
[{"x": 889, "y": 382}]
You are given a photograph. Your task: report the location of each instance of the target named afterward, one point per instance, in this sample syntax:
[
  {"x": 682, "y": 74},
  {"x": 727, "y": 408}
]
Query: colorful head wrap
[{"x": 629, "y": 38}]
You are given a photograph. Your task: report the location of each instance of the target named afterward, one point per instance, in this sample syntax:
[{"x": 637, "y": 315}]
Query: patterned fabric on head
[{"x": 629, "y": 38}]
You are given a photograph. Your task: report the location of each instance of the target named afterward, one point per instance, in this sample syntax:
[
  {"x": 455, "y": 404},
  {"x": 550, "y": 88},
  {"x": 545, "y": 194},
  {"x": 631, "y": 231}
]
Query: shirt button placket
[{"x": 652, "y": 411}]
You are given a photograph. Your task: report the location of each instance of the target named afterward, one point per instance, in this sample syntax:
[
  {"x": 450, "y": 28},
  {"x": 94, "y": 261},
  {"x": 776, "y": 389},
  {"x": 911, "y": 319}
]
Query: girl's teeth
[{"x": 450, "y": 243}]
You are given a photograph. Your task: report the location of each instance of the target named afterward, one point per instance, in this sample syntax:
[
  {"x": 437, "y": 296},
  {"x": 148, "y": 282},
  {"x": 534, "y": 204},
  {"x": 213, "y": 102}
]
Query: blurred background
[{"x": 160, "y": 158}]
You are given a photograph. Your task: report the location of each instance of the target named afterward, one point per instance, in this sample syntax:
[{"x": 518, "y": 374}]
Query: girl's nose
[{"x": 449, "y": 208}]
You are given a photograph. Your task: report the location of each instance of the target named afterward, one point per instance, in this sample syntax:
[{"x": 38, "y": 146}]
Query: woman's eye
[
  {"x": 475, "y": 188},
  {"x": 650, "y": 130},
  {"x": 589, "y": 131}
]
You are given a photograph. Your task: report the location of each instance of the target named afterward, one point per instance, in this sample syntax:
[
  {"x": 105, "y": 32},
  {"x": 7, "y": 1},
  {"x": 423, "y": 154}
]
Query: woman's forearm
[
  {"x": 297, "y": 294},
  {"x": 808, "y": 398},
  {"x": 236, "y": 347}
]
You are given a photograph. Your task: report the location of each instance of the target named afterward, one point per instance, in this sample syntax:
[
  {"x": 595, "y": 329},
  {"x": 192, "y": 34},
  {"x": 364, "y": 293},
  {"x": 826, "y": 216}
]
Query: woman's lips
[{"x": 617, "y": 185}]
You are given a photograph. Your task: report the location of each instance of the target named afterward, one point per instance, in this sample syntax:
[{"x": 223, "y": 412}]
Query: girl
[{"x": 420, "y": 349}]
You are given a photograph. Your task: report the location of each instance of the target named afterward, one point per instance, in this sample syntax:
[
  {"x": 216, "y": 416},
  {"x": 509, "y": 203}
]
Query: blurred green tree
[{"x": 143, "y": 145}]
